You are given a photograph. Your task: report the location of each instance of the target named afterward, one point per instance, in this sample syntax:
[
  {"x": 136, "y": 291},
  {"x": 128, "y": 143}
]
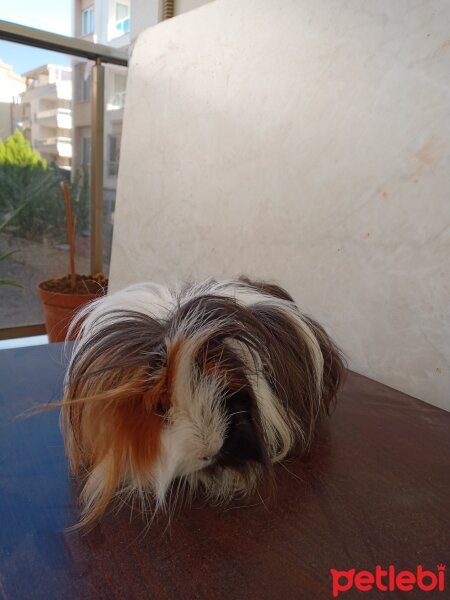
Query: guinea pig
[{"x": 200, "y": 390}]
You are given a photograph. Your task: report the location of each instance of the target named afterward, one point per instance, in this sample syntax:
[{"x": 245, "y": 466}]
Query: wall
[
  {"x": 11, "y": 84},
  {"x": 306, "y": 143},
  {"x": 5, "y": 120},
  {"x": 144, "y": 13}
]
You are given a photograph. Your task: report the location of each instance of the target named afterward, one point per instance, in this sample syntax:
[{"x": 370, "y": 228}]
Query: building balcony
[
  {"x": 60, "y": 89},
  {"x": 123, "y": 26},
  {"x": 119, "y": 32},
  {"x": 55, "y": 117},
  {"x": 39, "y": 91},
  {"x": 55, "y": 145},
  {"x": 81, "y": 114}
]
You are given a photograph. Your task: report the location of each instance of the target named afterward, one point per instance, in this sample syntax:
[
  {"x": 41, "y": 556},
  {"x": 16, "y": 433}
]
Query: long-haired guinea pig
[{"x": 195, "y": 391}]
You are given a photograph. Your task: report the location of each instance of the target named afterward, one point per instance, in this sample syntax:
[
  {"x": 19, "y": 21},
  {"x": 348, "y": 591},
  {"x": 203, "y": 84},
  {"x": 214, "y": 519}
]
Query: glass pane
[
  {"x": 99, "y": 22},
  {"x": 45, "y": 130},
  {"x": 115, "y": 92},
  {"x": 40, "y": 125},
  {"x": 50, "y": 15}
]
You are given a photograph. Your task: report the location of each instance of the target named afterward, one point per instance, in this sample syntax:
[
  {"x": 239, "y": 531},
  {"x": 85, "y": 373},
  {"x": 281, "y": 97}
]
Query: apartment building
[
  {"x": 47, "y": 113},
  {"x": 105, "y": 22},
  {"x": 11, "y": 86},
  {"x": 114, "y": 23}
]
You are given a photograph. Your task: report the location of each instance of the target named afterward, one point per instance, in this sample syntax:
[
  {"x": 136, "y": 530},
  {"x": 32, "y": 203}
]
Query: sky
[{"x": 50, "y": 15}]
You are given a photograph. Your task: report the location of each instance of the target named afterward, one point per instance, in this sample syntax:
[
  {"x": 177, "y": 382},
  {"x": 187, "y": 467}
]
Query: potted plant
[{"x": 63, "y": 296}]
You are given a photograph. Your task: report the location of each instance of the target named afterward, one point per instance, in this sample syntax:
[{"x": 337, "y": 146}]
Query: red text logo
[{"x": 388, "y": 580}]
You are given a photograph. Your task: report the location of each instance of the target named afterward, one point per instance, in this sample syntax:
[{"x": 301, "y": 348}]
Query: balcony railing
[
  {"x": 100, "y": 55},
  {"x": 52, "y": 141},
  {"x": 61, "y": 43},
  {"x": 55, "y": 117},
  {"x": 54, "y": 112}
]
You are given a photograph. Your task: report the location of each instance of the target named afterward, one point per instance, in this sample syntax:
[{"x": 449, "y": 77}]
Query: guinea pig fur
[{"x": 194, "y": 391}]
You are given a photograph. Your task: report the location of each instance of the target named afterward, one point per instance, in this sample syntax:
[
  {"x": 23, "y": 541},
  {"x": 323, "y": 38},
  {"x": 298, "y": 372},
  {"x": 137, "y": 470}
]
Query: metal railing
[
  {"x": 54, "y": 112},
  {"x": 101, "y": 55},
  {"x": 19, "y": 34},
  {"x": 53, "y": 141}
]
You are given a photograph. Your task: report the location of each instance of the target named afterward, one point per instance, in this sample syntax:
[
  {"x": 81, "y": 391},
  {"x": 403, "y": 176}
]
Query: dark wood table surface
[{"x": 376, "y": 490}]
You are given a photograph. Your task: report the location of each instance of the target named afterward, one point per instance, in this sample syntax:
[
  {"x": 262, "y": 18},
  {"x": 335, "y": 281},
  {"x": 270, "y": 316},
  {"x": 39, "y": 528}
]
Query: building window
[
  {"x": 87, "y": 21},
  {"x": 120, "y": 82},
  {"x": 113, "y": 154},
  {"x": 86, "y": 85},
  {"x": 122, "y": 17},
  {"x": 86, "y": 151},
  {"x": 117, "y": 99},
  {"x": 122, "y": 11}
]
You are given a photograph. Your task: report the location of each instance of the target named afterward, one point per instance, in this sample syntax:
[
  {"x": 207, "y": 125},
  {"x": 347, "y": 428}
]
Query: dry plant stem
[{"x": 70, "y": 236}]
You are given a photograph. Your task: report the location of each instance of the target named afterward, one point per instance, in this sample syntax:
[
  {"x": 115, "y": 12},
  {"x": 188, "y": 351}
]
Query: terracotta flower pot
[
  {"x": 61, "y": 305},
  {"x": 59, "y": 310}
]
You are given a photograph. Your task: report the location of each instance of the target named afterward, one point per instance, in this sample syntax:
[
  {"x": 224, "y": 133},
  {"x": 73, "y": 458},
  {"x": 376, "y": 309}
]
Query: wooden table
[{"x": 376, "y": 490}]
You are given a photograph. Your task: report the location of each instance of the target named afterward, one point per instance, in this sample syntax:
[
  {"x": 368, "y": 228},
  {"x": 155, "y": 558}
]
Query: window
[
  {"x": 86, "y": 88},
  {"x": 113, "y": 154},
  {"x": 122, "y": 17},
  {"x": 86, "y": 151},
  {"x": 117, "y": 99},
  {"x": 122, "y": 11},
  {"x": 120, "y": 82},
  {"x": 87, "y": 21}
]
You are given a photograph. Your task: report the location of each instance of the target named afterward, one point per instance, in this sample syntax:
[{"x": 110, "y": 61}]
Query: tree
[
  {"x": 24, "y": 175},
  {"x": 18, "y": 152},
  {"x": 25, "y": 178}
]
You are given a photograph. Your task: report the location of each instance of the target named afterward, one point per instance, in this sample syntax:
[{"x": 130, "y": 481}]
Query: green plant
[
  {"x": 25, "y": 176},
  {"x": 45, "y": 213},
  {"x": 80, "y": 199},
  {"x": 23, "y": 173},
  {"x": 4, "y": 256},
  {"x": 16, "y": 151}
]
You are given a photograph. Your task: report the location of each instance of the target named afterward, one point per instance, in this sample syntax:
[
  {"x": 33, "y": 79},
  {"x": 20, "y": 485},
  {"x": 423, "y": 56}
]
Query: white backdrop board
[{"x": 307, "y": 143}]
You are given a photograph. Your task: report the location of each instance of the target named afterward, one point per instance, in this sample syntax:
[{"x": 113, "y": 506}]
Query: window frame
[{"x": 87, "y": 20}]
